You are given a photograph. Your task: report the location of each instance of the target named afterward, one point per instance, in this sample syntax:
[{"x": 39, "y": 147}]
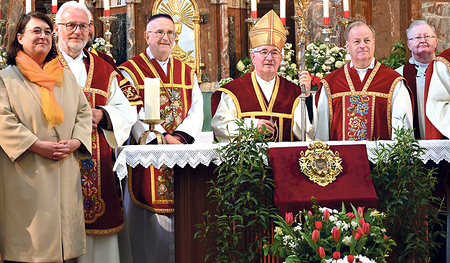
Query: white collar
[
  {"x": 262, "y": 81},
  {"x": 151, "y": 56},
  {"x": 371, "y": 66},
  {"x": 69, "y": 59}
]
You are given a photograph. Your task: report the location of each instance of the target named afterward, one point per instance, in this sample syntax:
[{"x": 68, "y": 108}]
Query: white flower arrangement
[
  {"x": 315, "y": 56},
  {"x": 99, "y": 44}
]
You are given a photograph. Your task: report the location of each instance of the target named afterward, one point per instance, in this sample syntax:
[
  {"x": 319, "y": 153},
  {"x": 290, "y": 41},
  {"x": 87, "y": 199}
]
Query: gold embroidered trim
[
  {"x": 101, "y": 232},
  {"x": 133, "y": 198},
  {"x": 443, "y": 60}
]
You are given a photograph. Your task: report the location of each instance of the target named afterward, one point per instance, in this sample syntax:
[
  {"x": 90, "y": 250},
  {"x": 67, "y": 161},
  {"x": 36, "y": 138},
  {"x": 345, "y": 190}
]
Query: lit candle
[
  {"x": 54, "y": 6},
  {"x": 107, "y": 8},
  {"x": 326, "y": 13},
  {"x": 346, "y": 10},
  {"x": 81, "y": 2},
  {"x": 283, "y": 11},
  {"x": 253, "y": 9},
  {"x": 27, "y": 6},
  {"x": 151, "y": 98}
]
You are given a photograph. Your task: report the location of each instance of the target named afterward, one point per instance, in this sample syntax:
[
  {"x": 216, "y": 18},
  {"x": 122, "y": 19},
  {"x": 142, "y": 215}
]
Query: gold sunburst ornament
[{"x": 320, "y": 164}]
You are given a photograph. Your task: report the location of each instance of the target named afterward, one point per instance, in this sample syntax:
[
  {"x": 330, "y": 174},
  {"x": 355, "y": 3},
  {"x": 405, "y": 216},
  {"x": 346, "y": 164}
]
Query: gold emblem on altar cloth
[{"x": 320, "y": 164}]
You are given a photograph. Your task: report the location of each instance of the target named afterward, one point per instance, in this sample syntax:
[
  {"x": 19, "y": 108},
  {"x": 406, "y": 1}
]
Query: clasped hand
[{"x": 55, "y": 150}]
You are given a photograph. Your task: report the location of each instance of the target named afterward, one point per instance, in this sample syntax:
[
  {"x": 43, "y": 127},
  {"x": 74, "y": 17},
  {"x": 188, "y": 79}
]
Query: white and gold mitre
[{"x": 269, "y": 30}]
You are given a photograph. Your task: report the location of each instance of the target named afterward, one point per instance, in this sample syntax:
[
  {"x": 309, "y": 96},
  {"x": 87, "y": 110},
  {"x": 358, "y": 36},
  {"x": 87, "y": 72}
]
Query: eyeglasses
[
  {"x": 418, "y": 38},
  {"x": 84, "y": 27},
  {"x": 38, "y": 31},
  {"x": 160, "y": 33},
  {"x": 264, "y": 53}
]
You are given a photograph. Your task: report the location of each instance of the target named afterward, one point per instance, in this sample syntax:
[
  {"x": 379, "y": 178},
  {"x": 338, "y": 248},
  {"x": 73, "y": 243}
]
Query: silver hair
[
  {"x": 417, "y": 23},
  {"x": 357, "y": 24},
  {"x": 72, "y": 5}
]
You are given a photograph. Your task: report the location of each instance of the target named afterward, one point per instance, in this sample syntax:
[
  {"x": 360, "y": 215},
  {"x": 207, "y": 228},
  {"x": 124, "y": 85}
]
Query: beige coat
[{"x": 41, "y": 210}]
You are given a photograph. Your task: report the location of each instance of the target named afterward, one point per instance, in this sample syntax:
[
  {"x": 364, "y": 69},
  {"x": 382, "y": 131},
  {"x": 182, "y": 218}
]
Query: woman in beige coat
[{"x": 45, "y": 125}]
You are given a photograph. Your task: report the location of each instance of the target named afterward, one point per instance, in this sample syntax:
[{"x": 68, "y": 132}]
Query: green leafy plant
[
  {"x": 404, "y": 188},
  {"x": 331, "y": 236},
  {"x": 396, "y": 58},
  {"x": 243, "y": 193}
]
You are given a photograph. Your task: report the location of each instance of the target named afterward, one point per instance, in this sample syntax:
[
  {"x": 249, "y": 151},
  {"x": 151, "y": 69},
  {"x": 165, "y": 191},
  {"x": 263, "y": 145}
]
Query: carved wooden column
[{"x": 224, "y": 36}]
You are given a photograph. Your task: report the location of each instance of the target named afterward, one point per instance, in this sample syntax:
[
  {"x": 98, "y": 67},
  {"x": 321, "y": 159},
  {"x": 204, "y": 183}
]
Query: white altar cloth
[{"x": 195, "y": 154}]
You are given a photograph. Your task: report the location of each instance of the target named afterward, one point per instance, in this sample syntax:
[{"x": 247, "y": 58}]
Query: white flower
[
  {"x": 288, "y": 78},
  {"x": 354, "y": 223},
  {"x": 294, "y": 66},
  {"x": 339, "y": 64},
  {"x": 278, "y": 231},
  {"x": 332, "y": 59},
  {"x": 298, "y": 228},
  {"x": 320, "y": 75},
  {"x": 310, "y": 46},
  {"x": 334, "y": 50},
  {"x": 240, "y": 66},
  {"x": 347, "y": 240},
  {"x": 364, "y": 259},
  {"x": 324, "y": 67},
  {"x": 323, "y": 46}
]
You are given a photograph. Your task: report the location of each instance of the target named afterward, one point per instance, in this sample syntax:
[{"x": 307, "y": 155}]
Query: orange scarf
[{"x": 46, "y": 78}]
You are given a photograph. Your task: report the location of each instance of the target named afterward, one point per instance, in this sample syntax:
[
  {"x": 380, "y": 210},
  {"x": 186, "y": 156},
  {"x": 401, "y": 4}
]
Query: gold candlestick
[
  {"x": 346, "y": 21},
  {"x": 159, "y": 137},
  {"x": 326, "y": 31},
  {"x": 107, "y": 20}
]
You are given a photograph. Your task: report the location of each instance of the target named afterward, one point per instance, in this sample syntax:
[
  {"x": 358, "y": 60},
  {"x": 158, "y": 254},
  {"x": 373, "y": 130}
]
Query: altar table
[{"x": 194, "y": 166}]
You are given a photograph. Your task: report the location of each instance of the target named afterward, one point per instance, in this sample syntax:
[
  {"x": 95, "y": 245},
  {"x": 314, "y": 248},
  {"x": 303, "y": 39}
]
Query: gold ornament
[{"x": 320, "y": 164}]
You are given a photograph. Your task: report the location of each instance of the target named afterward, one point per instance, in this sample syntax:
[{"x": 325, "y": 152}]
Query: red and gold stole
[
  {"x": 152, "y": 188},
  {"x": 97, "y": 178},
  {"x": 360, "y": 110},
  {"x": 251, "y": 103}
]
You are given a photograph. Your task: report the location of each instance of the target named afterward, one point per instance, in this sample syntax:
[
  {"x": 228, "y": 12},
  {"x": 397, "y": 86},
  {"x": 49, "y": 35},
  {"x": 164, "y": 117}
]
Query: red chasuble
[
  {"x": 128, "y": 90},
  {"x": 102, "y": 207},
  {"x": 151, "y": 188},
  {"x": 430, "y": 131},
  {"x": 251, "y": 103},
  {"x": 360, "y": 111}
]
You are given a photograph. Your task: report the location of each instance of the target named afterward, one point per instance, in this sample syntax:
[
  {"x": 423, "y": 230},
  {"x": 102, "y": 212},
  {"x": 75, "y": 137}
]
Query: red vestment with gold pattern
[
  {"x": 151, "y": 188},
  {"x": 102, "y": 205},
  {"x": 360, "y": 110},
  {"x": 250, "y": 102}
]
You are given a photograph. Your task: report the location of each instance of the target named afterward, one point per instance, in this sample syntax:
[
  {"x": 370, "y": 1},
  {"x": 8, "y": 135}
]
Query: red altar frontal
[
  {"x": 293, "y": 190},
  {"x": 194, "y": 166}
]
